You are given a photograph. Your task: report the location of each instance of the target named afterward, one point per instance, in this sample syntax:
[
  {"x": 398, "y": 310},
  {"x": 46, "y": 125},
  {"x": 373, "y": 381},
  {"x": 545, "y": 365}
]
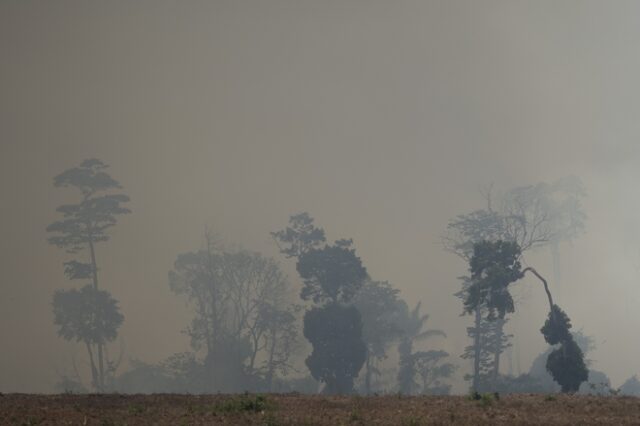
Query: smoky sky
[{"x": 382, "y": 119}]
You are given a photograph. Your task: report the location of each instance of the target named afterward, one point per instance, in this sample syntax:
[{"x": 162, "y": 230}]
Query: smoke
[{"x": 383, "y": 120}]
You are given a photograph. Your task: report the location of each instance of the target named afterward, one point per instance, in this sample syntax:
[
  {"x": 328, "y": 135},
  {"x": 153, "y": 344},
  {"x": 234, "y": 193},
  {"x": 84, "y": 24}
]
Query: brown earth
[{"x": 293, "y": 409}]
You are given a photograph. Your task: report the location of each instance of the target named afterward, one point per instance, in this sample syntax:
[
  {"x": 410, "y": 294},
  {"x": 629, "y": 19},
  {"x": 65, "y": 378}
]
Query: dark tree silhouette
[
  {"x": 332, "y": 275},
  {"x": 494, "y": 266},
  {"x": 335, "y": 331},
  {"x": 565, "y": 363},
  {"x": 83, "y": 225},
  {"x": 300, "y": 236},
  {"x": 533, "y": 216}
]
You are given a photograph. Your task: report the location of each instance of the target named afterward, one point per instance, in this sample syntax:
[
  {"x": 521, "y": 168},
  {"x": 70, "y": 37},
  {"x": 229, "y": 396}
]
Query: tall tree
[
  {"x": 494, "y": 267},
  {"x": 83, "y": 225},
  {"x": 332, "y": 275},
  {"x": 532, "y": 216}
]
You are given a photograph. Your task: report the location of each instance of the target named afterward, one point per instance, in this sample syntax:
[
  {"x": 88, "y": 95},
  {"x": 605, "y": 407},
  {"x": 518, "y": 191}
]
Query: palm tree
[{"x": 413, "y": 330}]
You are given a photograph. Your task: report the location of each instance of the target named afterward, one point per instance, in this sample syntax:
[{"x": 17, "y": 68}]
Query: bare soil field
[{"x": 293, "y": 409}]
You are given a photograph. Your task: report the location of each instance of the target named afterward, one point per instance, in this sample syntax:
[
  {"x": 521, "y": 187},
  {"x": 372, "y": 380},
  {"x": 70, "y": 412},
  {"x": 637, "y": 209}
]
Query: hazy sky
[{"x": 380, "y": 118}]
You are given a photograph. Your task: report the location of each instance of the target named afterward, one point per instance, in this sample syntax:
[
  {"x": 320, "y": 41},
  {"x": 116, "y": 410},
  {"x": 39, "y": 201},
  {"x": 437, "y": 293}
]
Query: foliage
[
  {"x": 530, "y": 216},
  {"x": 556, "y": 327},
  {"x": 331, "y": 274},
  {"x": 335, "y": 331},
  {"x": 565, "y": 363},
  {"x": 243, "y": 318},
  {"x": 543, "y": 377},
  {"x": 491, "y": 339},
  {"x": 299, "y": 237},
  {"x": 493, "y": 266},
  {"x": 87, "y": 222},
  {"x": 244, "y": 403},
  {"x": 86, "y": 315},
  {"x": 432, "y": 369}
]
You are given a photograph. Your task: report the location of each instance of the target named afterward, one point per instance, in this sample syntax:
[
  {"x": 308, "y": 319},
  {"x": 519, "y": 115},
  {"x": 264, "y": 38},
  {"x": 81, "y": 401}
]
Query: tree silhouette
[
  {"x": 332, "y": 275},
  {"x": 494, "y": 266},
  {"x": 83, "y": 225},
  {"x": 413, "y": 331}
]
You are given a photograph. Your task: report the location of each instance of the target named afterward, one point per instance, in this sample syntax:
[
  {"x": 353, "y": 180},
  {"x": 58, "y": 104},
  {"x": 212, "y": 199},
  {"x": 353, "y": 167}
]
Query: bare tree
[{"x": 243, "y": 319}]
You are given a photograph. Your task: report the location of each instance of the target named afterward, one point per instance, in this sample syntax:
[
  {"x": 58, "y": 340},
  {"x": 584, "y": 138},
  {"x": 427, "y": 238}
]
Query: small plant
[
  {"x": 135, "y": 409},
  {"x": 474, "y": 396},
  {"x": 486, "y": 399},
  {"x": 549, "y": 398},
  {"x": 244, "y": 403},
  {"x": 411, "y": 421},
  {"x": 355, "y": 417}
]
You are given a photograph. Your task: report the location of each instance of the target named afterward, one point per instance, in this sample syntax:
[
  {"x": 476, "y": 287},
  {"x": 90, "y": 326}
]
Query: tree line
[{"x": 249, "y": 331}]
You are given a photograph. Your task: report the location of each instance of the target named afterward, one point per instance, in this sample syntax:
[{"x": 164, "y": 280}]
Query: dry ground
[{"x": 19, "y": 409}]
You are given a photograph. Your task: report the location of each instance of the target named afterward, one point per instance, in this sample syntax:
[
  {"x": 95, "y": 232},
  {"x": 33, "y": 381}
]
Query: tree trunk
[
  {"x": 271, "y": 367},
  {"x": 476, "y": 350},
  {"x": 94, "y": 267},
  {"x": 497, "y": 350},
  {"x": 367, "y": 375},
  {"x": 94, "y": 372}
]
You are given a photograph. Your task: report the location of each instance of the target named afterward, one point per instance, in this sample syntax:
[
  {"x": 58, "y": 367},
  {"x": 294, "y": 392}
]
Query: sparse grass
[
  {"x": 410, "y": 421},
  {"x": 483, "y": 399},
  {"x": 474, "y": 396},
  {"x": 487, "y": 399},
  {"x": 245, "y": 403},
  {"x": 270, "y": 420},
  {"x": 317, "y": 410},
  {"x": 136, "y": 409},
  {"x": 355, "y": 416}
]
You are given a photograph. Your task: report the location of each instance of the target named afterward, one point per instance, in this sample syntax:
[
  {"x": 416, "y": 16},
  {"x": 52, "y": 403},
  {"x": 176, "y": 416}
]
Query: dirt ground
[{"x": 293, "y": 409}]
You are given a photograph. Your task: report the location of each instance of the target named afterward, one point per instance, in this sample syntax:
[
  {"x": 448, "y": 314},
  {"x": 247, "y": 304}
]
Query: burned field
[{"x": 294, "y": 409}]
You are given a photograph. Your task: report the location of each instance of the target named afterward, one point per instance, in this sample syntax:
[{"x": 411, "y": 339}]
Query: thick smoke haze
[{"x": 381, "y": 119}]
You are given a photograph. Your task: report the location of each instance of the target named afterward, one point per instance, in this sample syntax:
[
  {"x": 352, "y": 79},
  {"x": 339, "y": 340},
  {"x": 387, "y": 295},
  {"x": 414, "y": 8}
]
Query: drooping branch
[{"x": 544, "y": 282}]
